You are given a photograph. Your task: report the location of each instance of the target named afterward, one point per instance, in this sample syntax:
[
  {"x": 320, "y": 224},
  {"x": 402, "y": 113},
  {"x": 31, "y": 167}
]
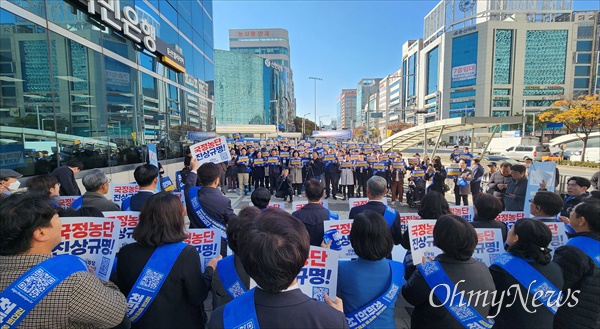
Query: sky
[{"x": 340, "y": 41}]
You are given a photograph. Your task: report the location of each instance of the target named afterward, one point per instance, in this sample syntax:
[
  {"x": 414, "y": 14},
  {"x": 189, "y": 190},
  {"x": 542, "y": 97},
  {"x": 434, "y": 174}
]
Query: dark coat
[
  {"x": 66, "y": 178},
  {"x": 99, "y": 201},
  {"x": 416, "y": 291},
  {"x": 138, "y": 200},
  {"x": 318, "y": 167},
  {"x": 185, "y": 172},
  {"x": 220, "y": 295},
  {"x": 180, "y": 301},
  {"x": 580, "y": 273},
  {"x": 570, "y": 203},
  {"x": 379, "y": 208},
  {"x": 439, "y": 179},
  {"x": 312, "y": 216},
  {"x": 516, "y": 316},
  {"x": 519, "y": 189},
  {"x": 290, "y": 309},
  {"x": 479, "y": 222}
]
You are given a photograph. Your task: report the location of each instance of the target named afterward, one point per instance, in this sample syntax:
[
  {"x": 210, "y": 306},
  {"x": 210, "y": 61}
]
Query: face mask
[{"x": 13, "y": 187}]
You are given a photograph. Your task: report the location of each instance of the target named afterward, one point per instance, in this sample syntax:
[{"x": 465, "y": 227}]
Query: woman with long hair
[
  {"x": 438, "y": 174},
  {"x": 159, "y": 234},
  {"x": 526, "y": 265},
  {"x": 258, "y": 170},
  {"x": 296, "y": 174}
]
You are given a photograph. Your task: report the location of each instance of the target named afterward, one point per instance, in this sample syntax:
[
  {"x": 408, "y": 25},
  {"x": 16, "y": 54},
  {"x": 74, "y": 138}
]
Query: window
[
  {"x": 432, "y": 71},
  {"x": 582, "y": 71},
  {"x": 543, "y": 92},
  {"x": 500, "y": 103},
  {"x": 461, "y": 94},
  {"x": 464, "y": 56},
  {"x": 581, "y": 83},
  {"x": 584, "y": 58},
  {"x": 503, "y": 56},
  {"x": 585, "y": 32},
  {"x": 545, "y": 57},
  {"x": 584, "y": 45},
  {"x": 505, "y": 92}
]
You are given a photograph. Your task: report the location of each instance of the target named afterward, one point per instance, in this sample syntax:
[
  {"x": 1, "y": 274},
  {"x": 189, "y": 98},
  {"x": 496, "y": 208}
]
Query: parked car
[
  {"x": 498, "y": 159},
  {"x": 521, "y": 152},
  {"x": 592, "y": 154}
]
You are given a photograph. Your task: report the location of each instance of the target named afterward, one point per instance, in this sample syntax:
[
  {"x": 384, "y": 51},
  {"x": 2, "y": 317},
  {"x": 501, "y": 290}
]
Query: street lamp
[
  {"x": 276, "y": 114},
  {"x": 45, "y": 120},
  {"x": 304, "y": 124},
  {"x": 315, "y": 78}
]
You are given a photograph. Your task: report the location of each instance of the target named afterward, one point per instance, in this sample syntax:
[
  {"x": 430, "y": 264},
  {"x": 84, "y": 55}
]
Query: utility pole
[{"x": 315, "y": 79}]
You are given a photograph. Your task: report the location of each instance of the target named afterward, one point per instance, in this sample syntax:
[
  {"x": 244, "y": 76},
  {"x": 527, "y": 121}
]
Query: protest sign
[
  {"x": 297, "y": 205},
  {"x": 399, "y": 165},
  {"x": 346, "y": 165},
  {"x": 420, "y": 234},
  {"x": 510, "y": 217},
  {"x": 128, "y": 221},
  {"x": 319, "y": 274},
  {"x": 272, "y": 204},
  {"x": 212, "y": 150},
  {"x": 539, "y": 172},
  {"x": 371, "y": 159},
  {"x": 91, "y": 238},
  {"x": 489, "y": 245},
  {"x": 355, "y": 202},
  {"x": 207, "y": 242},
  {"x": 356, "y": 157},
  {"x": 418, "y": 173},
  {"x": 167, "y": 184},
  {"x": 66, "y": 201},
  {"x": 273, "y": 161},
  {"x": 284, "y": 155},
  {"x": 258, "y": 162},
  {"x": 120, "y": 192},
  {"x": 152, "y": 155},
  {"x": 343, "y": 226},
  {"x": 180, "y": 182},
  {"x": 465, "y": 212},
  {"x": 361, "y": 164},
  {"x": 379, "y": 166},
  {"x": 405, "y": 217},
  {"x": 559, "y": 235},
  {"x": 413, "y": 161},
  {"x": 296, "y": 161},
  {"x": 453, "y": 172}
]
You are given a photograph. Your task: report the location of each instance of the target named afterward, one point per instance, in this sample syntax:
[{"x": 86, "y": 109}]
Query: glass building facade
[
  {"x": 545, "y": 57},
  {"x": 92, "y": 88},
  {"x": 503, "y": 56}
]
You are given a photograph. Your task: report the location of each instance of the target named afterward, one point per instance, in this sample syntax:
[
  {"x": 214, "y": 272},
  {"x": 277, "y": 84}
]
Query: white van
[{"x": 499, "y": 145}]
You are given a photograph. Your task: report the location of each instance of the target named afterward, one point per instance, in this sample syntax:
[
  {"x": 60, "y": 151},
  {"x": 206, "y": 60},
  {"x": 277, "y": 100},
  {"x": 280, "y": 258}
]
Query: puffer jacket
[{"x": 581, "y": 274}]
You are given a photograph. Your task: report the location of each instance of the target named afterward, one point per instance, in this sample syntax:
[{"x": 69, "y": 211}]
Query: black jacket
[
  {"x": 570, "y": 203},
  {"x": 66, "y": 178},
  {"x": 290, "y": 309},
  {"x": 516, "y": 316},
  {"x": 379, "y": 208},
  {"x": 220, "y": 295},
  {"x": 312, "y": 216},
  {"x": 138, "y": 200},
  {"x": 580, "y": 273},
  {"x": 416, "y": 291},
  {"x": 317, "y": 166}
]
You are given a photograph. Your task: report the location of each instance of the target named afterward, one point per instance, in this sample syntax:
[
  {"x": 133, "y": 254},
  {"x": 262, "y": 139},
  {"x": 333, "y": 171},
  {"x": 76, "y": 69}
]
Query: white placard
[
  {"x": 319, "y": 274},
  {"x": 355, "y": 202},
  {"x": 510, "y": 218},
  {"x": 212, "y": 150},
  {"x": 128, "y": 220},
  {"x": 120, "y": 192},
  {"x": 465, "y": 212},
  {"x": 207, "y": 242},
  {"x": 66, "y": 201},
  {"x": 343, "y": 226},
  {"x": 405, "y": 217},
  {"x": 559, "y": 235},
  {"x": 489, "y": 245},
  {"x": 420, "y": 234}
]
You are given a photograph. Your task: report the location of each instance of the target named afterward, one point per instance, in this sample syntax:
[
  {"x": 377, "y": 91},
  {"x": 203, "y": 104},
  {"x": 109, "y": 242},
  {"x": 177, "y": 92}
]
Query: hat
[
  {"x": 492, "y": 164},
  {"x": 6, "y": 173}
]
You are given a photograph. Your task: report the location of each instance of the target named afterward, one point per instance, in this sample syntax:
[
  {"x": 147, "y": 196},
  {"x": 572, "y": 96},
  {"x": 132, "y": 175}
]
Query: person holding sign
[
  {"x": 60, "y": 291},
  {"x": 462, "y": 188},
  {"x": 527, "y": 266},
  {"x": 453, "y": 270},
  {"x": 274, "y": 166},
  {"x": 160, "y": 274},
  {"x": 396, "y": 173},
  {"x": 146, "y": 176},
  {"x": 347, "y": 178},
  {"x": 296, "y": 173},
  {"x": 580, "y": 263},
  {"x": 438, "y": 174},
  {"x": 275, "y": 248},
  {"x": 258, "y": 170},
  {"x": 514, "y": 198},
  {"x": 242, "y": 163},
  {"x": 487, "y": 207},
  {"x": 365, "y": 281}
]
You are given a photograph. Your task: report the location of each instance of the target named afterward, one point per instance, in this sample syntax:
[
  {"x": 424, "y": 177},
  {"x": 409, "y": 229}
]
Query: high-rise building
[
  {"x": 346, "y": 104},
  {"x": 98, "y": 80},
  {"x": 274, "y": 46},
  {"x": 364, "y": 90},
  {"x": 389, "y": 100},
  {"x": 499, "y": 58}
]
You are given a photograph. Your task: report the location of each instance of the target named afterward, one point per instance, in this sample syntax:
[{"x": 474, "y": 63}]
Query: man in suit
[
  {"x": 213, "y": 202},
  {"x": 97, "y": 185},
  {"x": 277, "y": 302},
  {"x": 313, "y": 214},
  {"x": 376, "y": 190},
  {"x": 146, "y": 176},
  {"x": 66, "y": 177},
  {"x": 478, "y": 172}
]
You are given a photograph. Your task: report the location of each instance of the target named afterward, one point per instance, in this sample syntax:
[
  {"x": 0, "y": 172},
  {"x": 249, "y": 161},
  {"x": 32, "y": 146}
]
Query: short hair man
[
  {"x": 576, "y": 191},
  {"x": 313, "y": 214},
  {"x": 30, "y": 229},
  {"x": 97, "y": 185},
  {"x": 276, "y": 302},
  {"x": 66, "y": 177},
  {"x": 376, "y": 191},
  {"x": 146, "y": 176},
  {"x": 499, "y": 180},
  {"x": 261, "y": 197},
  {"x": 514, "y": 198},
  {"x": 9, "y": 182},
  {"x": 545, "y": 206}
]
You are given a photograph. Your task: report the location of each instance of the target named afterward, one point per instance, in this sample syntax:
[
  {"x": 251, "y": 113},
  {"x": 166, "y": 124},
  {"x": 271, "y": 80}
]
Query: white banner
[
  {"x": 510, "y": 218},
  {"x": 489, "y": 245},
  {"x": 465, "y": 212},
  {"x": 464, "y": 72},
  {"x": 319, "y": 274},
  {"x": 343, "y": 226},
  {"x": 212, "y": 150},
  {"x": 420, "y": 233},
  {"x": 405, "y": 217},
  {"x": 559, "y": 235},
  {"x": 66, "y": 201},
  {"x": 207, "y": 242},
  {"x": 120, "y": 192}
]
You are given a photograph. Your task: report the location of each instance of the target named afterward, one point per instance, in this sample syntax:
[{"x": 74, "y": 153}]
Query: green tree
[
  {"x": 309, "y": 126},
  {"x": 31, "y": 121}
]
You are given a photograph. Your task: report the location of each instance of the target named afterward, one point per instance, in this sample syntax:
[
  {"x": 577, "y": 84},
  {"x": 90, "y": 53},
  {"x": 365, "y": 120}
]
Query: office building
[
  {"x": 499, "y": 58},
  {"x": 274, "y": 46},
  {"x": 389, "y": 101},
  {"x": 364, "y": 90},
  {"x": 346, "y": 104},
  {"x": 97, "y": 80}
]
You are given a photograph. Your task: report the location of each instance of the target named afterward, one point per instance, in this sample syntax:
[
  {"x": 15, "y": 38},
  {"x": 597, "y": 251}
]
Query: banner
[
  {"x": 152, "y": 155},
  {"x": 465, "y": 212},
  {"x": 346, "y": 165},
  {"x": 273, "y": 161},
  {"x": 200, "y": 135},
  {"x": 406, "y": 217},
  {"x": 259, "y": 162},
  {"x": 453, "y": 172},
  {"x": 128, "y": 220},
  {"x": 413, "y": 161},
  {"x": 559, "y": 235},
  {"x": 418, "y": 173},
  {"x": 92, "y": 239},
  {"x": 371, "y": 159},
  {"x": 284, "y": 155},
  {"x": 361, "y": 164},
  {"x": 12, "y": 156},
  {"x": 489, "y": 245},
  {"x": 66, "y": 201},
  {"x": 464, "y": 72},
  {"x": 212, "y": 150},
  {"x": 343, "y": 226},
  {"x": 510, "y": 218},
  {"x": 420, "y": 234},
  {"x": 297, "y": 205},
  {"x": 318, "y": 277},
  {"x": 337, "y": 134},
  {"x": 120, "y": 192},
  {"x": 296, "y": 161},
  {"x": 539, "y": 172},
  {"x": 355, "y": 202},
  {"x": 207, "y": 242},
  {"x": 167, "y": 184}
]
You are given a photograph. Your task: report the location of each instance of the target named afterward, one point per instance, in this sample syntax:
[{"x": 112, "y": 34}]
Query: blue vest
[
  {"x": 365, "y": 315},
  {"x": 240, "y": 313},
  {"x": 21, "y": 296},
  {"x": 465, "y": 314},
  {"x": 208, "y": 221},
  {"x": 229, "y": 277},
  {"x": 529, "y": 277},
  {"x": 151, "y": 279},
  {"x": 589, "y": 246},
  {"x": 389, "y": 215}
]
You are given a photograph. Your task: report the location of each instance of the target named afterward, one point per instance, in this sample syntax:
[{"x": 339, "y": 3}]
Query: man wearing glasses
[
  {"x": 576, "y": 191},
  {"x": 97, "y": 185}
]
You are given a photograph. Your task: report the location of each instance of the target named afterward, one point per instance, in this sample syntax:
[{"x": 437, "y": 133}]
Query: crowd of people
[{"x": 256, "y": 286}]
